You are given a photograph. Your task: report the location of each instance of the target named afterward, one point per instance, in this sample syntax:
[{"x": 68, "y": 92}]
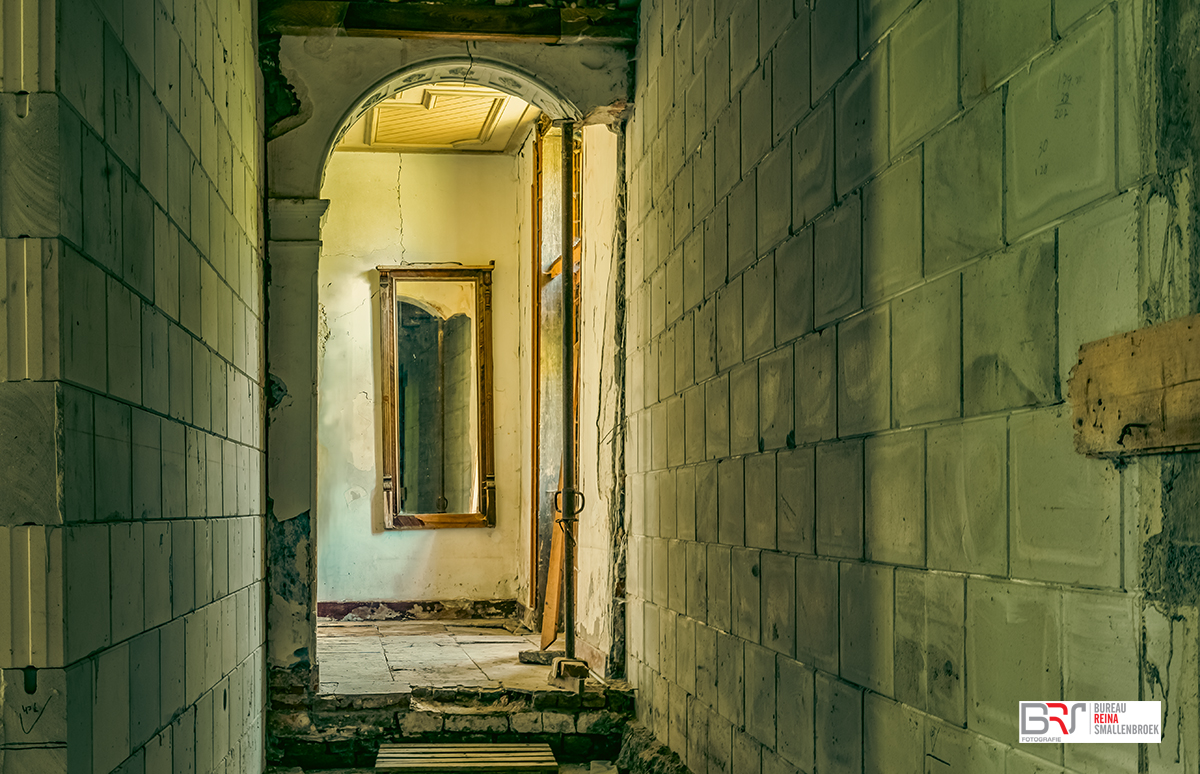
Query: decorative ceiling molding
[{"x": 442, "y": 117}]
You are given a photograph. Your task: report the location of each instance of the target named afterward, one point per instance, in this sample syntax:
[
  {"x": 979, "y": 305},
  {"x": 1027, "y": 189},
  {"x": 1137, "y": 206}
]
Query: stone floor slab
[{"x": 398, "y": 656}]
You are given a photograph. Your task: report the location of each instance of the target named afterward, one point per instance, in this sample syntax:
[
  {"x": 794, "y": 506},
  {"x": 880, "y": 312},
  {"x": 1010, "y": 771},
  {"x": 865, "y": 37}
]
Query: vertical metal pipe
[
  {"x": 568, "y": 463},
  {"x": 441, "y": 412}
]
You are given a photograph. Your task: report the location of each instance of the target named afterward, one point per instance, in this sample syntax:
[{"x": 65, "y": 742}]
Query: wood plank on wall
[{"x": 1139, "y": 392}]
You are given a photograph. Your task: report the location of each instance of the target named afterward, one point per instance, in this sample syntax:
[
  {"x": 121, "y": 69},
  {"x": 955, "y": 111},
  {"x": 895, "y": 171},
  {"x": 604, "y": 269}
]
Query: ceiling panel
[{"x": 443, "y": 117}]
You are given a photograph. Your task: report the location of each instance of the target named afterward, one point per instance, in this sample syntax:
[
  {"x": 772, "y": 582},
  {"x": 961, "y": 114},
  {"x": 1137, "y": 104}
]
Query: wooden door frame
[{"x": 538, "y": 280}]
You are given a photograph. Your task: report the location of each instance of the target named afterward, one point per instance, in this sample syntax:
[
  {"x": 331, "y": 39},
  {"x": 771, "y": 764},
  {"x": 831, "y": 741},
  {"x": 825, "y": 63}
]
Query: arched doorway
[{"x": 296, "y": 161}]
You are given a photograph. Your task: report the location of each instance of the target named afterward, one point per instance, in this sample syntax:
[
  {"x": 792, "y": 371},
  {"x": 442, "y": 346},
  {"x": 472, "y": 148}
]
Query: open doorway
[
  {"x": 415, "y": 190},
  {"x": 428, "y": 181},
  {"x": 436, "y": 180},
  {"x": 308, "y": 478},
  {"x": 596, "y": 209},
  {"x": 548, "y": 380}
]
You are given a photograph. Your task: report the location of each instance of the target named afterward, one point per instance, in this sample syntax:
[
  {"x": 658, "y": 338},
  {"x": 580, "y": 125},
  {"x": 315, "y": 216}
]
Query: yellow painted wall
[{"x": 389, "y": 209}]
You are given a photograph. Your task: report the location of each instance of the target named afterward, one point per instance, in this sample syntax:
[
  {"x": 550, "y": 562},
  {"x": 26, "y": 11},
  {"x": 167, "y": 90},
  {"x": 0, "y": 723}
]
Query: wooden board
[
  {"x": 1139, "y": 392},
  {"x": 554, "y": 579},
  {"x": 466, "y": 758}
]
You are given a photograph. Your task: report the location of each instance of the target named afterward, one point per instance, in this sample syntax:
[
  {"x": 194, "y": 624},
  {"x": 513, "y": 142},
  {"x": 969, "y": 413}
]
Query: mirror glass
[{"x": 438, "y": 426}]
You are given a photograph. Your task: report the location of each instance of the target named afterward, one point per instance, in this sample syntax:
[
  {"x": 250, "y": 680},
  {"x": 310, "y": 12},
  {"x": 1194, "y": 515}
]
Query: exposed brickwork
[{"x": 343, "y": 731}]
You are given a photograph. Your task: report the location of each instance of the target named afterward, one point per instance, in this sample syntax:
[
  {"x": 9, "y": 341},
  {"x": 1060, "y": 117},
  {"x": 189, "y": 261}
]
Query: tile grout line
[
  {"x": 469, "y": 656},
  {"x": 386, "y": 662}
]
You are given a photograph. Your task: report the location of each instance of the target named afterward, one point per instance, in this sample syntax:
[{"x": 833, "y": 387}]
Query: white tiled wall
[
  {"x": 859, "y": 529},
  {"x": 130, "y": 326}
]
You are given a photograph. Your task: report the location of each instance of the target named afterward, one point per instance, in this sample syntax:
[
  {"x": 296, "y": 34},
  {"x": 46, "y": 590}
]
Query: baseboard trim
[{"x": 418, "y": 610}]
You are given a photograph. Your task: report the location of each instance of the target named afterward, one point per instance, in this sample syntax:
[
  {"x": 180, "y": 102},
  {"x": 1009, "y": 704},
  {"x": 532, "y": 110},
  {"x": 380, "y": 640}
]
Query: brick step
[
  {"x": 616, "y": 696},
  {"x": 339, "y": 728}
]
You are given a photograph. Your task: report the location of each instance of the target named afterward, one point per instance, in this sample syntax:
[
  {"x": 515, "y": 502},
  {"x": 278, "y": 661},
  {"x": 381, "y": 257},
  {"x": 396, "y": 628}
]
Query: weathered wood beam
[
  {"x": 300, "y": 17},
  {"x": 1139, "y": 392},
  {"x": 450, "y": 21},
  {"x": 557, "y": 266},
  {"x": 455, "y": 22}
]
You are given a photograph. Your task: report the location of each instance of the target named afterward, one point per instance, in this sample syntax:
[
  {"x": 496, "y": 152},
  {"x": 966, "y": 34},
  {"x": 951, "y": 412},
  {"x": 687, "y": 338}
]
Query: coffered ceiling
[{"x": 443, "y": 117}]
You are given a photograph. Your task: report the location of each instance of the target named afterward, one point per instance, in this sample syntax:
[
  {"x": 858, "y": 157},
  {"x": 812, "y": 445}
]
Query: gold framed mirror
[{"x": 438, "y": 439}]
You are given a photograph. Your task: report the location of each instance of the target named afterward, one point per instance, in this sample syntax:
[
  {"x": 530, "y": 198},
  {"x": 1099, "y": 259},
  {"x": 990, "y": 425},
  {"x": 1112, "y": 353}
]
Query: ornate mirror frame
[{"x": 481, "y": 277}]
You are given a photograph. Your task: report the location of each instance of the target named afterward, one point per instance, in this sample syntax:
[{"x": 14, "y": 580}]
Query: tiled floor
[{"x": 393, "y": 656}]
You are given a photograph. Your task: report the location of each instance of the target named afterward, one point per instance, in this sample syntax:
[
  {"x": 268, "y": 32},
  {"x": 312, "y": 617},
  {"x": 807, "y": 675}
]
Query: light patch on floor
[{"x": 396, "y": 656}]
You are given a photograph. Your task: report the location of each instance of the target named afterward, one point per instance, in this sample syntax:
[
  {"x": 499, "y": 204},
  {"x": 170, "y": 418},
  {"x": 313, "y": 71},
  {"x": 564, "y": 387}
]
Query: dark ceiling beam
[{"x": 449, "y": 20}]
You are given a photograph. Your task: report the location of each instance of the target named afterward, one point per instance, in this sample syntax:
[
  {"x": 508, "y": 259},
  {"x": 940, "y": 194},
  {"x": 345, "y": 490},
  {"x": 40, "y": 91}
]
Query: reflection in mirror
[
  {"x": 435, "y": 360},
  {"x": 440, "y": 444}
]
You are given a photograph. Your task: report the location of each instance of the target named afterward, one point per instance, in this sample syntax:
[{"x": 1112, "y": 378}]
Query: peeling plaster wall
[
  {"x": 330, "y": 75},
  {"x": 524, "y": 194},
  {"x": 387, "y": 209},
  {"x": 1169, "y": 286},
  {"x": 601, "y": 424}
]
